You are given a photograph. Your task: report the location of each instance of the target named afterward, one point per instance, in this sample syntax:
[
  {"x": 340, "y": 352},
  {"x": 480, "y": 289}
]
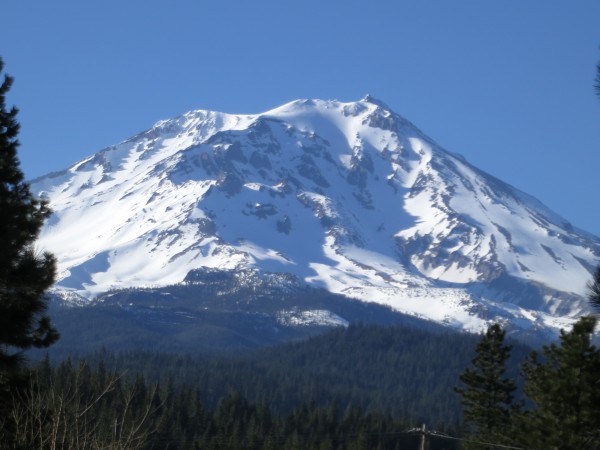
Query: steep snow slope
[{"x": 346, "y": 196}]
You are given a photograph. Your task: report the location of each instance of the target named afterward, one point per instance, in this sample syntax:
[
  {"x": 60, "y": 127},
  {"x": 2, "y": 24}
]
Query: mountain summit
[{"x": 349, "y": 197}]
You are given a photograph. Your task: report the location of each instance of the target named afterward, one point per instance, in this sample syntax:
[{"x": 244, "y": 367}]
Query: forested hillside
[
  {"x": 401, "y": 371},
  {"x": 75, "y": 406},
  {"x": 359, "y": 387}
]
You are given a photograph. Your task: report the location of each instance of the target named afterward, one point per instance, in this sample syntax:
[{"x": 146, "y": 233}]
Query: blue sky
[{"x": 508, "y": 84}]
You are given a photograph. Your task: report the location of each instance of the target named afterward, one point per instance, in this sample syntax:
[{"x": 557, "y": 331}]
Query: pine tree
[
  {"x": 564, "y": 385},
  {"x": 594, "y": 289},
  {"x": 487, "y": 395},
  {"x": 25, "y": 274}
]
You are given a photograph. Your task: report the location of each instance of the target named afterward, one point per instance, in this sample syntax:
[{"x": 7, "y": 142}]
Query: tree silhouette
[
  {"x": 563, "y": 385},
  {"x": 487, "y": 395},
  {"x": 25, "y": 274},
  {"x": 594, "y": 289}
]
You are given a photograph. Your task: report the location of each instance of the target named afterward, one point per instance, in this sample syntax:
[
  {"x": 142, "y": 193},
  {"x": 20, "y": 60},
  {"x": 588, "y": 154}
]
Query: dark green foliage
[
  {"x": 177, "y": 419},
  {"x": 358, "y": 388},
  {"x": 24, "y": 273},
  {"x": 402, "y": 371},
  {"x": 487, "y": 395},
  {"x": 594, "y": 289},
  {"x": 564, "y": 385},
  {"x": 308, "y": 395}
]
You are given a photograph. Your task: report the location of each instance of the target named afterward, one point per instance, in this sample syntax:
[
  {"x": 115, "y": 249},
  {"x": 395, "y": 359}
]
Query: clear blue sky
[{"x": 508, "y": 84}]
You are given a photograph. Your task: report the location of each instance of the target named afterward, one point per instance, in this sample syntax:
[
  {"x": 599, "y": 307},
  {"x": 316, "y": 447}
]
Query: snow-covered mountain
[{"x": 350, "y": 197}]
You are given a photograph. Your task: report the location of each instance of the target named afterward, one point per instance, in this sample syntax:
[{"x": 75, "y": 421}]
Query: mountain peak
[
  {"x": 342, "y": 196},
  {"x": 374, "y": 101}
]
